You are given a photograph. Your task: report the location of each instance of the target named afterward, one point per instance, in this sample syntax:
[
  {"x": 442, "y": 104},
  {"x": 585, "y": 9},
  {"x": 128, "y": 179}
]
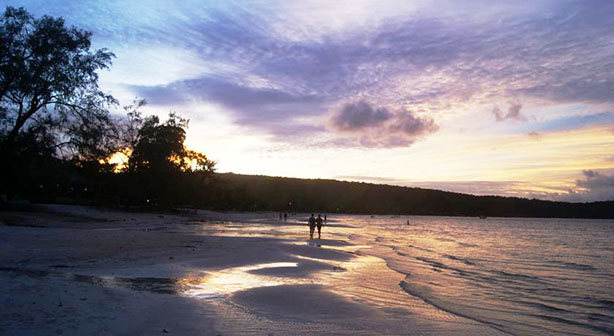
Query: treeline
[
  {"x": 248, "y": 192},
  {"x": 66, "y": 183}
]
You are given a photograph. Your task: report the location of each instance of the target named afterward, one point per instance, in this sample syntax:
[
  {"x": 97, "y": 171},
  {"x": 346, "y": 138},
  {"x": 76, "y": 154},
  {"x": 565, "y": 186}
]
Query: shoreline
[{"x": 96, "y": 271}]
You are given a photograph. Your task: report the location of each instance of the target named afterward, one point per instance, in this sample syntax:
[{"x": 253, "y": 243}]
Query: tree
[
  {"x": 159, "y": 147},
  {"x": 49, "y": 88},
  {"x": 159, "y": 164}
]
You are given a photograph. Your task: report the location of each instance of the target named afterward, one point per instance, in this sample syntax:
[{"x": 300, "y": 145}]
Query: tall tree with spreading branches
[{"x": 49, "y": 89}]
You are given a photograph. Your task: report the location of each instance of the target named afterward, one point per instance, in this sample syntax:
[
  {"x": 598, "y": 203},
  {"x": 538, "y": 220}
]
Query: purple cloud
[
  {"x": 262, "y": 107},
  {"x": 266, "y": 77},
  {"x": 513, "y": 112},
  {"x": 409, "y": 124},
  {"x": 360, "y": 115},
  {"x": 371, "y": 126},
  {"x": 596, "y": 186}
]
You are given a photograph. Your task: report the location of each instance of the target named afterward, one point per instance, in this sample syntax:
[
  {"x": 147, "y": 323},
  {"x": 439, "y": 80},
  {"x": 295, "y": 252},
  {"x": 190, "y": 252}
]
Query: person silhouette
[
  {"x": 312, "y": 226},
  {"x": 319, "y": 224}
]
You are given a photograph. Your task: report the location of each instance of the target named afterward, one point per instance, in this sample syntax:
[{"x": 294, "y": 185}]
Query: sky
[{"x": 508, "y": 98}]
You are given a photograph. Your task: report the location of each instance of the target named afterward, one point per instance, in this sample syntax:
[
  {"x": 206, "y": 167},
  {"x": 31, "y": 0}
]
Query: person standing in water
[
  {"x": 319, "y": 224},
  {"x": 312, "y": 226}
]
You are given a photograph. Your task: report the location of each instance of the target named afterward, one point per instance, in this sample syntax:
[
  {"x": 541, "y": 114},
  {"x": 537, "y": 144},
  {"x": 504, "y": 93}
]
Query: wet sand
[{"x": 70, "y": 270}]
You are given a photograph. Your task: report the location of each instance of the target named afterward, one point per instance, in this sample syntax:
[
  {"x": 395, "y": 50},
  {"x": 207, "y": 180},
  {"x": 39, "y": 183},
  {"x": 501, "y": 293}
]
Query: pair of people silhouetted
[{"x": 313, "y": 223}]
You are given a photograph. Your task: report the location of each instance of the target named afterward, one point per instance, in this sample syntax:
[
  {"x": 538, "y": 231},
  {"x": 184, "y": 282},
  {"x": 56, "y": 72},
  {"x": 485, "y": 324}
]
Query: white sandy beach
[{"x": 71, "y": 270}]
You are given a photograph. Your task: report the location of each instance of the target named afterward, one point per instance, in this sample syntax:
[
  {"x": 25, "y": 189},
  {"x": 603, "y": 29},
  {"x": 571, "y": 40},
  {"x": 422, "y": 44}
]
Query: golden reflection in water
[
  {"x": 231, "y": 280},
  {"x": 352, "y": 278}
]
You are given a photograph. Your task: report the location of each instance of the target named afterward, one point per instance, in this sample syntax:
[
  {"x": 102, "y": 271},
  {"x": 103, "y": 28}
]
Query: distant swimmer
[
  {"x": 312, "y": 226},
  {"x": 319, "y": 224}
]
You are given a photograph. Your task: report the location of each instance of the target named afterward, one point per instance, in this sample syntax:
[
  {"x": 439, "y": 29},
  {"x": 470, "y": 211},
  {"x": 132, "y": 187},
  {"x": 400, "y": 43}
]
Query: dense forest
[
  {"x": 248, "y": 192},
  {"x": 65, "y": 183}
]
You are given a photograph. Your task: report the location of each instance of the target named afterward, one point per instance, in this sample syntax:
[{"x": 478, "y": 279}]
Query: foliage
[
  {"x": 160, "y": 168},
  {"x": 49, "y": 88},
  {"x": 159, "y": 147},
  {"x": 245, "y": 192},
  {"x": 53, "y": 115}
]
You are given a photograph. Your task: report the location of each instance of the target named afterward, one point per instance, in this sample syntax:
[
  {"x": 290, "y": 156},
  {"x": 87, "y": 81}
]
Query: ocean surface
[{"x": 522, "y": 276}]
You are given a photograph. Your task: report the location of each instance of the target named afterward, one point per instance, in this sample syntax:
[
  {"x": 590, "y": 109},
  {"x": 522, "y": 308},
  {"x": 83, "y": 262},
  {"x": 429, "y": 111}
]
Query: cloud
[
  {"x": 535, "y": 136},
  {"x": 595, "y": 186},
  {"x": 266, "y": 108},
  {"x": 378, "y": 127},
  {"x": 504, "y": 188},
  {"x": 409, "y": 124},
  {"x": 269, "y": 65},
  {"x": 360, "y": 115},
  {"x": 513, "y": 112}
]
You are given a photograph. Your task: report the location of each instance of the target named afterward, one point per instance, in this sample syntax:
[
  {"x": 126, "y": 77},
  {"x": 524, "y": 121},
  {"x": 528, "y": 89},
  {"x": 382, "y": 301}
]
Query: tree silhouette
[
  {"x": 160, "y": 163},
  {"x": 49, "y": 88}
]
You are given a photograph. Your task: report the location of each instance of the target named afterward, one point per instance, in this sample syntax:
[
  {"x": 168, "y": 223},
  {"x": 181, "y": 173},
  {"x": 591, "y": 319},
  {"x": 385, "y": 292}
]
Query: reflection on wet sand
[{"x": 227, "y": 281}]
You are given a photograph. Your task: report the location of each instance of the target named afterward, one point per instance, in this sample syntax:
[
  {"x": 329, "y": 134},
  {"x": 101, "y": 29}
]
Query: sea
[{"x": 522, "y": 276}]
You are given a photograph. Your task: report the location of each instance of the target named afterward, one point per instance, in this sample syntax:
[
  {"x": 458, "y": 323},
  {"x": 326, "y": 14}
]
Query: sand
[{"x": 73, "y": 270}]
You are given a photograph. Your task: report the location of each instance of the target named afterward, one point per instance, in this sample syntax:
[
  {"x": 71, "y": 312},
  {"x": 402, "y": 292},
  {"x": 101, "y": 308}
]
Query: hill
[{"x": 250, "y": 192}]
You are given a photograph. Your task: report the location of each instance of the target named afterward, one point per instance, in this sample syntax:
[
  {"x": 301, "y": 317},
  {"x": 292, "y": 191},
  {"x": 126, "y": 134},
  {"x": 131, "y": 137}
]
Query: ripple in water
[{"x": 522, "y": 276}]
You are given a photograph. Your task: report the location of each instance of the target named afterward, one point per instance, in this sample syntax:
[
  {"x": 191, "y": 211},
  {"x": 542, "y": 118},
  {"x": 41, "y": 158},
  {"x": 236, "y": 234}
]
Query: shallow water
[
  {"x": 522, "y": 276},
  {"x": 518, "y": 276}
]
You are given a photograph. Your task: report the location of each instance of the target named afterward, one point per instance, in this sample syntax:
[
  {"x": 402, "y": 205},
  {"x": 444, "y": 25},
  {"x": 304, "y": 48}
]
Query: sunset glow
[{"x": 504, "y": 98}]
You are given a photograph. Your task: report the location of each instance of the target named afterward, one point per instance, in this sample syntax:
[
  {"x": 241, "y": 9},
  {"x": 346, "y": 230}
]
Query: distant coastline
[{"x": 254, "y": 193}]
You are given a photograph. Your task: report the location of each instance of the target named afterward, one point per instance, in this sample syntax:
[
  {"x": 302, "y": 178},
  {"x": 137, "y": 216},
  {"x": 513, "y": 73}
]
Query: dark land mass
[
  {"x": 63, "y": 183},
  {"x": 249, "y": 192}
]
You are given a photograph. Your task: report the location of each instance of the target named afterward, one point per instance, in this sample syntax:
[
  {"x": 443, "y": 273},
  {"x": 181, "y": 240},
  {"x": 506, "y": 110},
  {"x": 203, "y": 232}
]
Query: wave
[
  {"x": 433, "y": 263},
  {"x": 607, "y": 330},
  {"x": 463, "y": 260},
  {"x": 467, "y": 244},
  {"x": 413, "y": 291},
  {"x": 518, "y": 275},
  {"x": 572, "y": 265},
  {"x": 542, "y": 306}
]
